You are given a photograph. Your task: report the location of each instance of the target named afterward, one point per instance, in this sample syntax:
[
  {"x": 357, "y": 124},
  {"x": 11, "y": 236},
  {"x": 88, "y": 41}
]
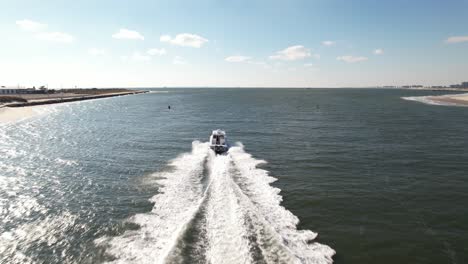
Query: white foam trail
[
  {"x": 266, "y": 200},
  {"x": 238, "y": 212},
  {"x": 227, "y": 235},
  {"x": 173, "y": 210}
]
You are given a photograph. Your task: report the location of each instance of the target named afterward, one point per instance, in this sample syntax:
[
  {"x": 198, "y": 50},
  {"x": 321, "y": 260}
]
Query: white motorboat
[{"x": 218, "y": 141}]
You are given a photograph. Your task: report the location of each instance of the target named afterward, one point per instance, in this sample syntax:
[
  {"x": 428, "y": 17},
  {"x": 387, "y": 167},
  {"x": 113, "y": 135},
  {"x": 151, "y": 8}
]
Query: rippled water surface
[{"x": 362, "y": 173}]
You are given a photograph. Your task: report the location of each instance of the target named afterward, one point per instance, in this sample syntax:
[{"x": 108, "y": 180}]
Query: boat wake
[{"x": 216, "y": 209}]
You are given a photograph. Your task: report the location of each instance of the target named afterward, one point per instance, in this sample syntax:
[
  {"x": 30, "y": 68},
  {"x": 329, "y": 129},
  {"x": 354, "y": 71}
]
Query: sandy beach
[
  {"x": 455, "y": 99},
  {"x": 447, "y": 100},
  {"x": 17, "y": 111},
  {"x": 15, "y": 114}
]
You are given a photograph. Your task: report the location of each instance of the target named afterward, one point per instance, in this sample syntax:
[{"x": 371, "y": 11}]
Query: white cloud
[
  {"x": 185, "y": 40},
  {"x": 136, "y": 56},
  {"x": 292, "y": 53},
  {"x": 29, "y": 25},
  {"x": 128, "y": 34},
  {"x": 260, "y": 63},
  {"x": 165, "y": 38},
  {"x": 351, "y": 59},
  {"x": 56, "y": 37},
  {"x": 237, "y": 59},
  {"x": 179, "y": 60},
  {"x": 97, "y": 52},
  {"x": 378, "y": 51},
  {"x": 328, "y": 43},
  {"x": 156, "y": 52},
  {"x": 457, "y": 39},
  {"x": 38, "y": 29}
]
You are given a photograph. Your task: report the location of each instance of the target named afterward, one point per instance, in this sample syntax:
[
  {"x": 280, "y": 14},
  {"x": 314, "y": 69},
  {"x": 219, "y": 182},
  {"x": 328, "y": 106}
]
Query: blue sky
[{"x": 315, "y": 43}]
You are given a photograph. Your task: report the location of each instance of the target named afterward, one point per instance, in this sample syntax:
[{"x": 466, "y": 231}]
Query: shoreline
[
  {"x": 69, "y": 99},
  {"x": 11, "y": 115},
  {"x": 15, "y": 112},
  {"x": 457, "y": 100},
  {"x": 460, "y": 100}
]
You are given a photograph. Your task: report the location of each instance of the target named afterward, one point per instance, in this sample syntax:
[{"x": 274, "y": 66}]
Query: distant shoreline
[
  {"x": 446, "y": 100},
  {"x": 460, "y": 100},
  {"x": 17, "y": 111},
  {"x": 65, "y": 99}
]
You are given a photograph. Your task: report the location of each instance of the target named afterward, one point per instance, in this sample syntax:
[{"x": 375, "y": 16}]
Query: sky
[{"x": 242, "y": 43}]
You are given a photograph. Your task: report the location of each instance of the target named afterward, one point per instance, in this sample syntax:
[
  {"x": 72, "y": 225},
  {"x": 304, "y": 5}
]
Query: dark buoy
[{"x": 168, "y": 107}]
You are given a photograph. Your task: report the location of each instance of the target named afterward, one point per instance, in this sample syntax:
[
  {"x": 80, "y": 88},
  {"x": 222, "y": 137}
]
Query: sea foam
[{"x": 228, "y": 208}]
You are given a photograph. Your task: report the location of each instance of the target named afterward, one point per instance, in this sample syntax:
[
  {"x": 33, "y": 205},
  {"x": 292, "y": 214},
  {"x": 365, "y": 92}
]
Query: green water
[{"x": 380, "y": 179}]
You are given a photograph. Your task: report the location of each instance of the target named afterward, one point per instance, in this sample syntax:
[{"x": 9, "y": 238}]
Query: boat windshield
[{"x": 218, "y": 140}]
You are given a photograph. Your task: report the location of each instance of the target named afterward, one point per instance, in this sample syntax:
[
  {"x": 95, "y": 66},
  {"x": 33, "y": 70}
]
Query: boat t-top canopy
[{"x": 218, "y": 132}]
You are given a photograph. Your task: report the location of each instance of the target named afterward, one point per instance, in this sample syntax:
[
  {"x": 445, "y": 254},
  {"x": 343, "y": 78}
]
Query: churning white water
[{"x": 216, "y": 209}]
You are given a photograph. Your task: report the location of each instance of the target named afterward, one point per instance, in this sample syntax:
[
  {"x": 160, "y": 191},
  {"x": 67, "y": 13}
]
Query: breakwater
[{"x": 71, "y": 99}]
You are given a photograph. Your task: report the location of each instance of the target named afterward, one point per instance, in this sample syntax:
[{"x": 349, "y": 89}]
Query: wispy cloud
[
  {"x": 156, "y": 52},
  {"x": 237, "y": 59},
  {"x": 457, "y": 39},
  {"x": 378, "y": 51},
  {"x": 56, "y": 37},
  {"x": 97, "y": 52},
  {"x": 292, "y": 53},
  {"x": 260, "y": 63},
  {"x": 328, "y": 43},
  {"x": 128, "y": 34},
  {"x": 185, "y": 40},
  {"x": 38, "y": 29},
  {"x": 179, "y": 61},
  {"x": 137, "y": 56},
  {"x": 308, "y": 65},
  {"x": 351, "y": 59},
  {"x": 29, "y": 25}
]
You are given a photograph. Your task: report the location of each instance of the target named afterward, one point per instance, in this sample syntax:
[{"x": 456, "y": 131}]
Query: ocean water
[{"x": 314, "y": 176}]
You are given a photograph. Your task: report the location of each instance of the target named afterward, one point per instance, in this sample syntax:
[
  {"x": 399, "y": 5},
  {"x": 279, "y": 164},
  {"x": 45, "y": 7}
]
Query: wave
[
  {"x": 425, "y": 100},
  {"x": 216, "y": 209},
  {"x": 432, "y": 100}
]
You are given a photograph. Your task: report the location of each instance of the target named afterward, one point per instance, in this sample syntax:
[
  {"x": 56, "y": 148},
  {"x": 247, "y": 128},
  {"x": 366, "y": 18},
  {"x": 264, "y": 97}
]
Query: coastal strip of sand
[
  {"x": 447, "y": 100},
  {"x": 73, "y": 98},
  {"x": 15, "y": 114},
  {"x": 454, "y": 99},
  {"x": 17, "y": 111}
]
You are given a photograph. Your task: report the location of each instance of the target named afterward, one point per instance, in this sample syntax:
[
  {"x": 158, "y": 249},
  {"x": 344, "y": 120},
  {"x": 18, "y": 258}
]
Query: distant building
[
  {"x": 462, "y": 85},
  {"x": 413, "y": 86},
  {"x": 8, "y": 90},
  {"x": 12, "y": 90}
]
